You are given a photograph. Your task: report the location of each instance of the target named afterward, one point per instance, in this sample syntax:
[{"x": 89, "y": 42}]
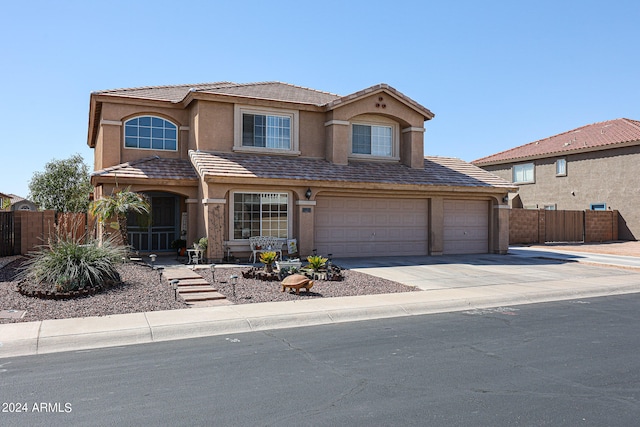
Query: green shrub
[
  {"x": 69, "y": 265},
  {"x": 316, "y": 262}
]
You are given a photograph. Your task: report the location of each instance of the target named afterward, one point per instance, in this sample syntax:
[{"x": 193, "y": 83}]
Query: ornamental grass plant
[{"x": 66, "y": 263}]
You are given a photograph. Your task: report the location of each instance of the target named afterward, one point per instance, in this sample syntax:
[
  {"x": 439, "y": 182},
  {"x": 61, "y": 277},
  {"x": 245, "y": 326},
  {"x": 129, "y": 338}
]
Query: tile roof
[
  {"x": 596, "y": 136},
  {"x": 276, "y": 91},
  {"x": 438, "y": 171},
  {"x": 151, "y": 168}
]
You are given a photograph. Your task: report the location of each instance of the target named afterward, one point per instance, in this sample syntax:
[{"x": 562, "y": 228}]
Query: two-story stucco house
[
  {"x": 591, "y": 167},
  {"x": 344, "y": 175}
]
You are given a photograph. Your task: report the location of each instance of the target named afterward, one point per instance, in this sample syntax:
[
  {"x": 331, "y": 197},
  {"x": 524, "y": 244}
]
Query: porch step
[
  {"x": 181, "y": 274},
  {"x": 193, "y": 282},
  {"x": 196, "y": 289},
  {"x": 202, "y": 296}
]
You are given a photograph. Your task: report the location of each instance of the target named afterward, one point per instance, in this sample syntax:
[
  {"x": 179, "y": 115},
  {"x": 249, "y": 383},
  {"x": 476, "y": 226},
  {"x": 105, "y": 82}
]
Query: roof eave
[{"x": 557, "y": 154}]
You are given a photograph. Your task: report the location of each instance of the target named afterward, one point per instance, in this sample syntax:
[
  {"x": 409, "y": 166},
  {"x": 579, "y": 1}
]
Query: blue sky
[{"x": 497, "y": 74}]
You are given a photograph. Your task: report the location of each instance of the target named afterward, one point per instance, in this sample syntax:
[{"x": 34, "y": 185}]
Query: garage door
[
  {"x": 347, "y": 227},
  {"x": 466, "y": 227}
]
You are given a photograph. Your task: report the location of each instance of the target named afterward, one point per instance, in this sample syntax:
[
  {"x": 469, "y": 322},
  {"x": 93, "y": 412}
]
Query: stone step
[
  {"x": 180, "y": 274},
  {"x": 193, "y": 282},
  {"x": 203, "y": 296},
  {"x": 192, "y": 289}
]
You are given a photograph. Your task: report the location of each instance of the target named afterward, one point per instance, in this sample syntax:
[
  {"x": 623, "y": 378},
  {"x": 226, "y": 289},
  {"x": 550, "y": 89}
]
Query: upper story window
[
  {"x": 561, "y": 167},
  {"x": 270, "y": 131},
  {"x": 523, "y": 173},
  {"x": 374, "y": 137},
  {"x": 371, "y": 139},
  {"x": 266, "y": 130},
  {"x": 150, "y": 132}
]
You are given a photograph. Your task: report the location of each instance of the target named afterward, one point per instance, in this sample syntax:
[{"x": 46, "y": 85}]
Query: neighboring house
[
  {"x": 344, "y": 175},
  {"x": 21, "y": 204},
  {"x": 592, "y": 167}
]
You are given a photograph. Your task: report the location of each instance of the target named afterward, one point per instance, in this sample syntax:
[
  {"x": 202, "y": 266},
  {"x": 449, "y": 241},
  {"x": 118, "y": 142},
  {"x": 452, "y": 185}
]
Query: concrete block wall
[
  {"x": 601, "y": 226},
  {"x": 32, "y": 229},
  {"x": 523, "y": 226}
]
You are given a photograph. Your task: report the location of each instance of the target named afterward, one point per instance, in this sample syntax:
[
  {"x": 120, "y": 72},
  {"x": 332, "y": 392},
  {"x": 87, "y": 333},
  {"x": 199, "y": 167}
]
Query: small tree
[
  {"x": 64, "y": 186},
  {"x": 117, "y": 206}
]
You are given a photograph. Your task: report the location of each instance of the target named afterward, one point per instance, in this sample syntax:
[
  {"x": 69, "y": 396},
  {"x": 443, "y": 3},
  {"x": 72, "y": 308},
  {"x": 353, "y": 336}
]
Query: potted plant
[
  {"x": 180, "y": 245},
  {"x": 268, "y": 258}
]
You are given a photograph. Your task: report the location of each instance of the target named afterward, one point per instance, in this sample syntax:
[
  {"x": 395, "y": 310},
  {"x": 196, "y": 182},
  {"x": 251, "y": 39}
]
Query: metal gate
[
  {"x": 6, "y": 234},
  {"x": 564, "y": 226}
]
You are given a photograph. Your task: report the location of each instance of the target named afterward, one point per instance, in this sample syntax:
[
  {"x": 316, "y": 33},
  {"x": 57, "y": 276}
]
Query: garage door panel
[
  {"x": 372, "y": 227},
  {"x": 466, "y": 227}
]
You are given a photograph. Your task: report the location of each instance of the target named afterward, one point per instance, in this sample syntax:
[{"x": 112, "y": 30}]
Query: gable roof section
[
  {"x": 597, "y": 136},
  {"x": 438, "y": 171},
  {"x": 154, "y": 168}
]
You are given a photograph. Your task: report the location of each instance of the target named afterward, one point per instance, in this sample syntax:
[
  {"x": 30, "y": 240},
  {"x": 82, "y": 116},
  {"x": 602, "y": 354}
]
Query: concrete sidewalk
[{"x": 454, "y": 283}]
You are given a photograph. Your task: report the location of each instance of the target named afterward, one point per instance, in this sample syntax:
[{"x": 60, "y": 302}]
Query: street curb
[{"x": 51, "y": 336}]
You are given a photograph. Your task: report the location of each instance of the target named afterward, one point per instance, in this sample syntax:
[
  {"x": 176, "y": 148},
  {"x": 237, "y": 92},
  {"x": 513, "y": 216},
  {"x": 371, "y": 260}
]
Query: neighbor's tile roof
[
  {"x": 438, "y": 171},
  {"x": 151, "y": 168},
  {"x": 276, "y": 91},
  {"x": 597, "y": 136}
]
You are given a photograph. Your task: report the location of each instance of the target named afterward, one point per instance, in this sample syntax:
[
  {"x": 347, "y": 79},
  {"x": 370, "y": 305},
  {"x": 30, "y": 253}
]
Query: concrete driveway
[{"x": 520, "y": 266}]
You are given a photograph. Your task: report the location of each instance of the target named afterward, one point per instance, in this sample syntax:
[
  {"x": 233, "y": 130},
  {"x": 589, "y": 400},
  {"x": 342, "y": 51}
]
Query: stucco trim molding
[
  {"x": 501, "y": 207},
  {"x": 337, "y": 122},
  {"x": 305, "y": 203},
  {"x": 191, "y": 201},
  {"x": 413, "y": 129},
  {"x": 111, "y": 122},
  {"x": 219, "y": 201},
  {"x": 185, "y": 128}
]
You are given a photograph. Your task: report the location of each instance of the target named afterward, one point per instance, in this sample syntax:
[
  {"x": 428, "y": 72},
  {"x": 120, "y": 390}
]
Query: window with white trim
[
  {"x": 150, "y": 132},
  {"x": 260, "y": 214},
  {"x": 267, "y": 130},
  {"x": 374, "y": 140},
  {"x": 561, "y": 167},
  {"x": 523, "y": 173}
]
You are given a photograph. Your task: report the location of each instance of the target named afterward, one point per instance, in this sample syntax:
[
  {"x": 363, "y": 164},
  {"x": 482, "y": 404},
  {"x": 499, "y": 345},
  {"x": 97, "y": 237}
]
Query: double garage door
[{"x": 364, "y": 227}]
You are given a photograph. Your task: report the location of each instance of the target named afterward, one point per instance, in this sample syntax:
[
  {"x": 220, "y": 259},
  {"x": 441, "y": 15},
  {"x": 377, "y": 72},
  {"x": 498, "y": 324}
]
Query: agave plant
[
  {"x": 316, "y": 262},
  {"x": 268, "y": 258}
]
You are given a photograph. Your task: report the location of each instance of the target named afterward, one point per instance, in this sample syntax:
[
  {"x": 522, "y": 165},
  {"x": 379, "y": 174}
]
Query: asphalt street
[{"x": 560, "y": 363}]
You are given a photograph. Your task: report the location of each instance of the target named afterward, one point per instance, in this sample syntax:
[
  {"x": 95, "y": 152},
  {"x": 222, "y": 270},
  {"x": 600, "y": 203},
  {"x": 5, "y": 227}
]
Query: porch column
[
  {"x": 500, "y": 229},
  {"x": 192, "y": 220},
  {"x": 436, "y": 226},
  {"x": 214, "y": 224},
  {"x": 306, "y": 227}
]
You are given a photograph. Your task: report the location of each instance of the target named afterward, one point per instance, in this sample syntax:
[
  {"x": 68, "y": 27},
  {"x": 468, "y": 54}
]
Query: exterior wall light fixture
[{"x": 307, "y": 194}]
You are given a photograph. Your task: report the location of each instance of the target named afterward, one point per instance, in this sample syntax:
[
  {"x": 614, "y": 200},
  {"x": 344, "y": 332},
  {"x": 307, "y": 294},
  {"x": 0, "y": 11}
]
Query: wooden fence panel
[
  {"x": 564, "y": 226},
  {"x": 7, "y": 234}
]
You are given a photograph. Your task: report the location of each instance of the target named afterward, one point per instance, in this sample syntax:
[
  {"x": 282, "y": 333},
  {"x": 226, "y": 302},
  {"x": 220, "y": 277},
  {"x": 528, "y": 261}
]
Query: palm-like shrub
[
  {"x": 117, "y": 206},
  {"x": 316, "y": 262},
  {"x": 66, "y": 265},
  {"x": 268, "y": 258}
]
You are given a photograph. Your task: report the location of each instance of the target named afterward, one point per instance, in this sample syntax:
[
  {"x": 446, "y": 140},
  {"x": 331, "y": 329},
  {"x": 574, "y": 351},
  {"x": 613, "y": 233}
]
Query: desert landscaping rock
[{"x": 141, "y": 291}]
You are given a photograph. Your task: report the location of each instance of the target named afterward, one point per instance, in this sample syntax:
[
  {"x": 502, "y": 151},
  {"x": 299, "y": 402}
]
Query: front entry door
[{"x": 163, "y": 229}]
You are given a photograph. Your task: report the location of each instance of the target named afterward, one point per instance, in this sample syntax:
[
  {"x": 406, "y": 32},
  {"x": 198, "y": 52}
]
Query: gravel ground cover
[{"x": 142, "y": 290}]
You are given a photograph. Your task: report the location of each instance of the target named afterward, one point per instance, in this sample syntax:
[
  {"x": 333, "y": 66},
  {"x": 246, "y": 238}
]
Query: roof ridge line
[{"x": 158, "y": 87}]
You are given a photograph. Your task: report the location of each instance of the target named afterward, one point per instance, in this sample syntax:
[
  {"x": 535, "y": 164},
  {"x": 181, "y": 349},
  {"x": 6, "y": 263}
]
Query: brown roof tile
[
  {"x": 151, "y": 168},
  {"x": 438, "y": 171},
  {"x": 174, "y": 93},
  {"x": 597, "y": 136}
]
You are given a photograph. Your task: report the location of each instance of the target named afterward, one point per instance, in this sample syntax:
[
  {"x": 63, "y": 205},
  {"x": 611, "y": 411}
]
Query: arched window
[{"x": 150, "y": 132}]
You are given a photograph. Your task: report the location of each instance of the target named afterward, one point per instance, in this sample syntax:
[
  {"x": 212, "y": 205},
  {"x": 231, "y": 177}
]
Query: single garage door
[
  {"x": 361, "y": 227},
  {"x": 466, "y": 227}
]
